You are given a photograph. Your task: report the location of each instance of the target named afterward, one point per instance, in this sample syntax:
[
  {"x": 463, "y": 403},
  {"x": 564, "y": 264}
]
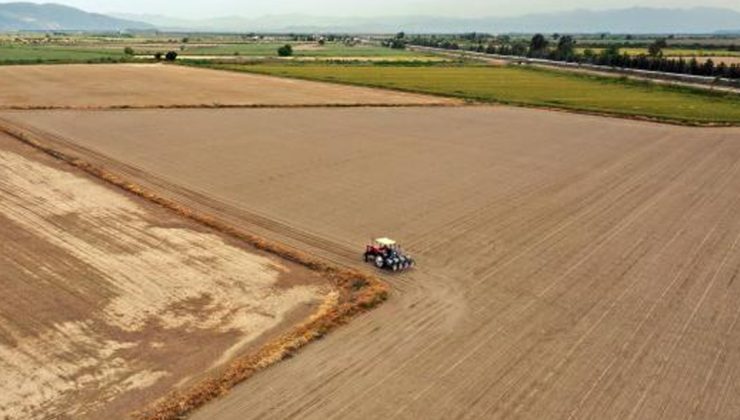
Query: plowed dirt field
[
  {"x": 569, "y": 266},
  {"x": 109, "y": 302},
  {"x": 155, "y": 85}
]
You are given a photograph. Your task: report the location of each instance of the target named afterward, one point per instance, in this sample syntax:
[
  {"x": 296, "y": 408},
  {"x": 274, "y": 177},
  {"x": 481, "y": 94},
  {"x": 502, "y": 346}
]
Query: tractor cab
[{"x": 381, "y": 245}]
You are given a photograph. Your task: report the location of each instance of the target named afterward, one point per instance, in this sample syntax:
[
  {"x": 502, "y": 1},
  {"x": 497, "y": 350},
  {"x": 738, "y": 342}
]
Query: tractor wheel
[{"x": 379, "y": 261}]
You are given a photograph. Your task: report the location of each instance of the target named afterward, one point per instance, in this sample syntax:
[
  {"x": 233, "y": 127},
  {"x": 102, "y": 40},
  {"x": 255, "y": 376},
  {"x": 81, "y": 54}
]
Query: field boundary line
[{"x": 358, "y": 292}]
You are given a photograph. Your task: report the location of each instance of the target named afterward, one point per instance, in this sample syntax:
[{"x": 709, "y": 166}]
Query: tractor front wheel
[{"x": 379, "y": 262}]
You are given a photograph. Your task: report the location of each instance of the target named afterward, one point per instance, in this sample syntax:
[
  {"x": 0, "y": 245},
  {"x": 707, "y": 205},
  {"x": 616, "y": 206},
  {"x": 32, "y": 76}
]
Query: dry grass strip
[{"x": 358, "y": 292}]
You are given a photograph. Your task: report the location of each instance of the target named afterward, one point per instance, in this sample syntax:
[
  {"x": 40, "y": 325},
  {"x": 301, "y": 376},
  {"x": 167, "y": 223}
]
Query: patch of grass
[
  {"x": 22, "y": 54},
  {"x": 527, "y": 86}
]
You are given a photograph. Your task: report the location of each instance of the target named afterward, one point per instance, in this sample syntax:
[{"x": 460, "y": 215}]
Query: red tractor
[{"x": 385, "y": 253}]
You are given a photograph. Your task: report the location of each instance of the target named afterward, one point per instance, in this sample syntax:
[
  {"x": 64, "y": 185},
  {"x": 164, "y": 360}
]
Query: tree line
[{"x": 563, "y": 48}]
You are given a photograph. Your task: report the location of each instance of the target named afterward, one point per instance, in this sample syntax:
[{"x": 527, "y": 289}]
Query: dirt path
[{"x": 569, "y": 266}]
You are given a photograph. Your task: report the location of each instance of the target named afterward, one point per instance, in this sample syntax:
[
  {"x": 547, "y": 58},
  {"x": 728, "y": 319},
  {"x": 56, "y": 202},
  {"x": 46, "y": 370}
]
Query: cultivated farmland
[
  {"x": 109, "y": 302},
  {"x": 152, "y": 85},
  {"x": 569, "y": 266}
]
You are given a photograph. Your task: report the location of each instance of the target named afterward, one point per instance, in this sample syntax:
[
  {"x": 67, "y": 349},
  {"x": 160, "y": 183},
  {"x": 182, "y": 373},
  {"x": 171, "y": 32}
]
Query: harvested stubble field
[
  {"x": 110, "y": 302},
  {"x": 569, "y": 266},
  {"x": 156, "y": 85}
]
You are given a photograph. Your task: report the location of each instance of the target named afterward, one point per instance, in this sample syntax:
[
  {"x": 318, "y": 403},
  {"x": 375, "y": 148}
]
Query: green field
[
  {"x": 269, "y": 49},
  {"x": 32, "y": 54},
  {"x": 299, "y": 50},
  {"x": 82, "y": 49},
  {"x": 527, "y": 86}
]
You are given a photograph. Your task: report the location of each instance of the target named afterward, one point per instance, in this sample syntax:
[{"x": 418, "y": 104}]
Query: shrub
[
  {"x": 170, "y": 56},
  {"x": 128, "y": 51},
  {"x": 285, "y": 51}
]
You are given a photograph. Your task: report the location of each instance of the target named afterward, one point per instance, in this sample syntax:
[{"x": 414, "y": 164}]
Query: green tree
[
  {"x": 128, "y": 51},
  {"x": 722, "y": 70},
  {"x": 285, "y": 51},
  {"x": 589, "y": 55},
  {"x": 538, "y": 45},
  {"x": 609, "y": 55},
  {"x": 171, "y": 56},
  {"x": 566, "y": 47},
  {"x": 655, "y": 49},
  {"x": 519, "y": 47}
]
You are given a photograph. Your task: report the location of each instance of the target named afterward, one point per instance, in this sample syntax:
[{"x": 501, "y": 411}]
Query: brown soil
[
  {"x": 153, "y": 85},
  {"x": 110, "y": 302},
  {"x": 569, "y": 266}
]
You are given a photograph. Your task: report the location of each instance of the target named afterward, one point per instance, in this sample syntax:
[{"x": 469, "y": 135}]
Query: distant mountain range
[
  {"x": 632, "y": 20},
  {"x": 636, "y": 20},
  {"x": 32, "y": 16}
]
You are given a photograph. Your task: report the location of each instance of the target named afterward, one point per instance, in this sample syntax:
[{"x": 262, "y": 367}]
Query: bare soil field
[
  {"x": 109, "y": 302},
  {"x": 570, "y": 266},
  {"x": 155, "y": 85}
]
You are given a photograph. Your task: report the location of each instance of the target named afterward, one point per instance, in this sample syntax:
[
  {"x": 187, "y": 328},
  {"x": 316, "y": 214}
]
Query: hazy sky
[{"x": 213, "y": 8}]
